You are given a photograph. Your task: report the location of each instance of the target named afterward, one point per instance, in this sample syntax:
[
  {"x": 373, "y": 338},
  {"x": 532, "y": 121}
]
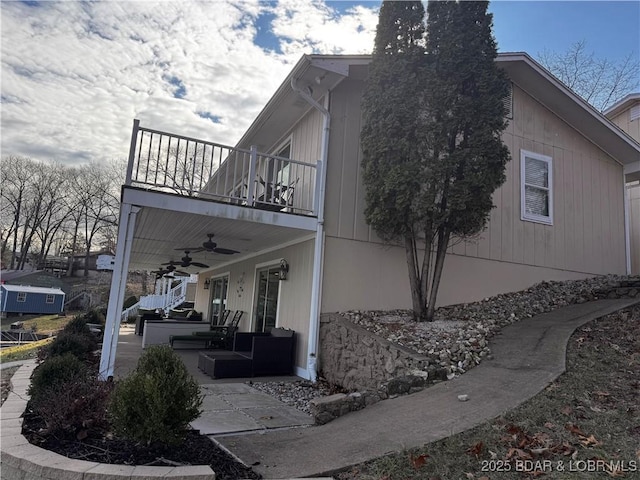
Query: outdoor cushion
[{"x": 253, "y": 354}]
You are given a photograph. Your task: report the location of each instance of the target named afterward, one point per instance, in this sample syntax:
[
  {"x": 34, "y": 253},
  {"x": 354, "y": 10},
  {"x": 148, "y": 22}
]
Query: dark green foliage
[
  {"x": 53, "y": 372},
  {"x": 129, "y": 302},
  {"x": 79, "y": 344},
  {"x": 391, "y": 105},
  {"x": 431, "y": 138},
  {"x": 78, "y": 324},
  {"x": 157, "y": 401},
  {"x": 95, "y": 316}
]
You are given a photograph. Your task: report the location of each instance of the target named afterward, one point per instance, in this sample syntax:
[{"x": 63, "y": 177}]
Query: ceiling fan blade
[
  {"x": 181, "y": 273},
  {"x": 191, "y": 250},
  {"x": 198, "y": 264},
  {"x": 224, "y": 251}
]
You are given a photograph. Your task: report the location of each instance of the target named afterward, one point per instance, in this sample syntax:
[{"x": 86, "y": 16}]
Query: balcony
[{"x": 189, "y": 167}]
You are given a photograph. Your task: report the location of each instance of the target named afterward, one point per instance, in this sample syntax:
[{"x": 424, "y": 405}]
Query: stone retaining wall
[
  {"x": 24, "y": 461},
  {"x": 356, "y": 359},
  {"x": 369, "y": 366}
]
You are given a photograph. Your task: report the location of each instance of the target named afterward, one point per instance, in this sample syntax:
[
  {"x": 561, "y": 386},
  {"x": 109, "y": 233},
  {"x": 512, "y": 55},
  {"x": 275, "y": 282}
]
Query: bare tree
[{"x": 600, "y": 81}]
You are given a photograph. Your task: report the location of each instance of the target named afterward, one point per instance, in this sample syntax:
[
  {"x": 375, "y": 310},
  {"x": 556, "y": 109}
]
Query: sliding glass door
[
  {"x": 267, "y": 298},
  {"x": 218, "y": 288}
]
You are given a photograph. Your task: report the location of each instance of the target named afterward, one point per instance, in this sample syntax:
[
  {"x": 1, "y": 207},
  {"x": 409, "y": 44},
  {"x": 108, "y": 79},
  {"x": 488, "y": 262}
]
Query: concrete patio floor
[{"x": 230, "y": 405}]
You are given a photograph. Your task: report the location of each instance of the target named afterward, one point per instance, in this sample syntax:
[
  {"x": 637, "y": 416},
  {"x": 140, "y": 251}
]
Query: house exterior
[
  {"x": 626, "y": 115},
  {"x": 288, "y": 199},
  {"x": 21, "y": 299}
]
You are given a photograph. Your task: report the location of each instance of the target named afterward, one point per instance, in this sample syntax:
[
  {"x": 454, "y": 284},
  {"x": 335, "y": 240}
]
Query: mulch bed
[{"x": 103, "y": 447}]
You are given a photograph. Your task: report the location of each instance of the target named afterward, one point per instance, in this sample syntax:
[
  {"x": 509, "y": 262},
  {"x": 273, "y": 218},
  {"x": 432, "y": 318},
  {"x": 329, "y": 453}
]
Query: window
[
  {"x": 50, "y": 299},
  {"x": 536, "y": 187},
  {"x": 22, "y": 297}
]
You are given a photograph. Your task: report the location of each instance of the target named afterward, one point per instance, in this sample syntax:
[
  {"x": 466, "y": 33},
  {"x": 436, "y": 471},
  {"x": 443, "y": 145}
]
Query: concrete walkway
[{"x": 527, "y": 356}]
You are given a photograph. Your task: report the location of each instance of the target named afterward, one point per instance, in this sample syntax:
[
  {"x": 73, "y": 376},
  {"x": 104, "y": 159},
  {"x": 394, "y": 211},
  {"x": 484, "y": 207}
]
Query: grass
[
  {"x": 42, "y": 323},
  {"x": 584, "y": 425},
  {"x": 22, "y": 352}
]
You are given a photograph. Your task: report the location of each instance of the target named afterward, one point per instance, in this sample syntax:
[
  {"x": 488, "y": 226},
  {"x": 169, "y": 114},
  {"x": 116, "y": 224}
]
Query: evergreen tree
[
  {"x": 432, "y": 151},
  {"x": 389, "y": 138}
]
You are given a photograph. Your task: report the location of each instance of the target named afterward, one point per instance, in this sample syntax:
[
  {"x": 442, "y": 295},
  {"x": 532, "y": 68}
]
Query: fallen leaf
[
  {"x": 602, "y": 394},
  {"x": 494, "y": 455},
  {"x": 476, "y": 449},
  {"x": 589, "y": 441},
  {"x": 514, "y": 430},
  {"x": 574, "y": 429},
  {"x": 469, "y": 475},
  {"x": 418, "y": 461},
  {"x": 566, "y": 410},
  {"x": 549, "y": 425}
]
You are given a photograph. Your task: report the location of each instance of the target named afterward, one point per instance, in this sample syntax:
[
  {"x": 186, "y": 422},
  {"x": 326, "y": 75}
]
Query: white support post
[
  {"x": 118, "y": 284},
  {"x": 251, "y": 180},
  {"x": 132, "y": 151}
]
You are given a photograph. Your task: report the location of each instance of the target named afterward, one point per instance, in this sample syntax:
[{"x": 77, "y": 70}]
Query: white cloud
[{"x": 75, "y": 74}]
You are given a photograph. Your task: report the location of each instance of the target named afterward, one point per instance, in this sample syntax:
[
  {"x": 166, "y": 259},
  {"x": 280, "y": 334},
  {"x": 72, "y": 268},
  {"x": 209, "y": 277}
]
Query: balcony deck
[{"x": 189, "y": 167}]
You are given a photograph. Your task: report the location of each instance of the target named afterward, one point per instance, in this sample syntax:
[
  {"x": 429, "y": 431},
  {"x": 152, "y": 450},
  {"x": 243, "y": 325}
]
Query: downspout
[
  {"x": 626, "y": 202},
  {"x": 316, "y": 283}
]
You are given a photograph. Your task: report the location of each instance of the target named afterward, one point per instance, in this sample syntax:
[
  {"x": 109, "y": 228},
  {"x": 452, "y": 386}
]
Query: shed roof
[{"x": 30, "y": 289}]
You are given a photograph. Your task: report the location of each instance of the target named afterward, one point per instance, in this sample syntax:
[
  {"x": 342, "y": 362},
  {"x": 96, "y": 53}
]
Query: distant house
[
  {"x": 626, "y": 115},
  {"x": 20, "y": 299},
  {"x": 105, "y": 262},
  {"x": 275, "y": 225},
  {"x": 35, "y": 278}
]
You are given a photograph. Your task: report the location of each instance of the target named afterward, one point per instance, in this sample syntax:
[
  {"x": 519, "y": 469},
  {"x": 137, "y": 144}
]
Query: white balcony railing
[{"x": 186, "y": 166}]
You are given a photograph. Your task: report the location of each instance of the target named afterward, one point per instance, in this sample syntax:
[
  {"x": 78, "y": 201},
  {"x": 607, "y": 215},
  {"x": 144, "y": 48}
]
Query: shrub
[
  {"x": 130, "y": 301},
  {"x": 94, "y": 316},
  {"x": 54, "y": 371},
  {"x": 78, "y": 324},
  {"x": 78, "y": 344},
  {"x": 75, "y": 406},
  {"x": 157, "y": 401}
]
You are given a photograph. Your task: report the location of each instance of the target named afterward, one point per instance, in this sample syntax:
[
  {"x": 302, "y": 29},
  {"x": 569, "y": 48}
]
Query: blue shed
[{"x": 24, "y": 299}]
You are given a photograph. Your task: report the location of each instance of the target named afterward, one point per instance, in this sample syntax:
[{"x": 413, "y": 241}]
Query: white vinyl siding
[{"x": 536, "y": 187}]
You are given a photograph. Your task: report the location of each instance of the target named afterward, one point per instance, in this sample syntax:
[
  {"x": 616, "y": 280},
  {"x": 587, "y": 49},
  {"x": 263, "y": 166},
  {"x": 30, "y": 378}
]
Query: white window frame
[
  {"x": 21, "y": 297},
  {"x": 532, "y": 217},
  {"x": 50, "y": 299}
]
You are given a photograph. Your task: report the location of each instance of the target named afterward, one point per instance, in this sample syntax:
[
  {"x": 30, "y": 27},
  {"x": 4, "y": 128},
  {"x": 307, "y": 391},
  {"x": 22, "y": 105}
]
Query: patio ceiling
[{"x": 163, "y": 234}]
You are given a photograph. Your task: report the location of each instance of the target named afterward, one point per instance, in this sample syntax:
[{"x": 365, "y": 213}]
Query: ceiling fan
[
  {"x": 211, "y": 246},
  {"x": 187, "y": 261},
  {"x": 169, "y": 270}
]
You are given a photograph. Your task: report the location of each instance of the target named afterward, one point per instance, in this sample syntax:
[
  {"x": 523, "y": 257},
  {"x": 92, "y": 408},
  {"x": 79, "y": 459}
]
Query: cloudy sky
[{"x": 75, "y": 74}]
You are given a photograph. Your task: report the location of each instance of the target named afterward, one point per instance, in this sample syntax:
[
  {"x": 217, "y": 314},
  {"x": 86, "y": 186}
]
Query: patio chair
[
  {"x": 221, "y": 336},
  {"x": 216, "y": 335}
]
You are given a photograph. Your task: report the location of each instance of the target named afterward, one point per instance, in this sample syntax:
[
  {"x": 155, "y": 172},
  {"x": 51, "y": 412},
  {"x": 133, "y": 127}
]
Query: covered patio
[{"x": 230, "y": 405}]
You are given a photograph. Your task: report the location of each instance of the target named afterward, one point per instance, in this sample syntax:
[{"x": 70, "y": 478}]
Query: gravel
[{"x": 457, "y": 339}]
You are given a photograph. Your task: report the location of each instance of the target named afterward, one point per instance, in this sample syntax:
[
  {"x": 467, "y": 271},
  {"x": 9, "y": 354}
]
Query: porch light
[
  {"x": 284, "y": 269},
  {"x": 207, "y": 282}
]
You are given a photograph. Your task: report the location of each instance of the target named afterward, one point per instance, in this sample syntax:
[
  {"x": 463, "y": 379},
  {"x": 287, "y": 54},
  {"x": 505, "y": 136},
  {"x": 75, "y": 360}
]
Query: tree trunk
[
  {"x": 417, "y": 298},
  {"x": 443, "y": 242}
]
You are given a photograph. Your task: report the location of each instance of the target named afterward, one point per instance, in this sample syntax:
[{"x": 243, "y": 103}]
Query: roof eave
[{"x": 557, "y": 97}]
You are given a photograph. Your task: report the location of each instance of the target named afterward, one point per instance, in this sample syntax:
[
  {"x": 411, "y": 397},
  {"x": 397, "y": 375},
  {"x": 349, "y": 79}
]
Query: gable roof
[
  {"x": 318, "y": 74},
  {"x": 29, "y": 289},
  {"x": 561, "y": 100},
  {"x": 621, "y": 105}
]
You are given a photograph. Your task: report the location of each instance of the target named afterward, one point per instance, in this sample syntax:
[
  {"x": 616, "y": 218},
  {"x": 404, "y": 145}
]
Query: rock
[{"x": 463, "y": 398}]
